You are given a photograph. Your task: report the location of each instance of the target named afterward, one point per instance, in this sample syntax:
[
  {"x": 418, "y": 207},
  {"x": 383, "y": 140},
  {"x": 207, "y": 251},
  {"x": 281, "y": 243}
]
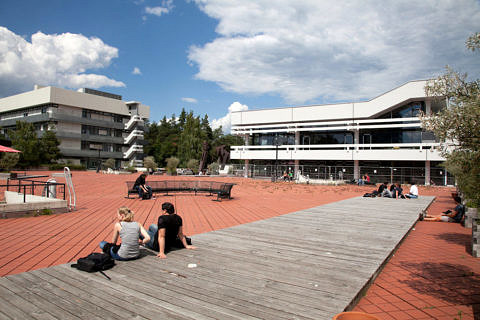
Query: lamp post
[
  {"x": 97, "y": 147},
  {"x": 98, "y": 162},
  {"x": 276, "y": 142}
]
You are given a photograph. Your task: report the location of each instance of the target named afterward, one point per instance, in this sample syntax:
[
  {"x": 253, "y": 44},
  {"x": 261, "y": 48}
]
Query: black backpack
[{"x": 95, "y": 261}]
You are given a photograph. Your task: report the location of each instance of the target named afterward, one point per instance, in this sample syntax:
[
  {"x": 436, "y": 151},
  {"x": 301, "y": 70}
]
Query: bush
[
  {"x": 193, "y": 165},
  {"x": 131, "y": 169},
  {"x": 149, "y": 163},
  {"x": 109, "y": 163},
  {"x": 172, "y": 164},
  {"x": 213, "y": 168}
]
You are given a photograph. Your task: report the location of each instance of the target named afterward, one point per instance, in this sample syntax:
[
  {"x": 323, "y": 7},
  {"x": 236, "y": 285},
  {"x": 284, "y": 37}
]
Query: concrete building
[
  {"x": 91, "y": 125},
  {"x": 378, "y": 137}
]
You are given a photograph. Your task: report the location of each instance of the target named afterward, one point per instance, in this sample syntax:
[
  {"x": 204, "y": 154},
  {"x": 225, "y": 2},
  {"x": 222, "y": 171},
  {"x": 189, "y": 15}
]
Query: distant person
[
  {"x": 361, "y": 181},
  {"x": 413, "y": 193},
  {"x": 144, "y": 191},
  {"x": 285, "y": 176},
  {"x": 455, "y": 215},
  {"x": 383, "y": 190},
  {"x": 168, "y": 232},
  {"x": 290, "y": 175},
  {"x": 129, "y": 231},
  {"x": 367, "y": 178},
  {"x": 399, "y": 191}
]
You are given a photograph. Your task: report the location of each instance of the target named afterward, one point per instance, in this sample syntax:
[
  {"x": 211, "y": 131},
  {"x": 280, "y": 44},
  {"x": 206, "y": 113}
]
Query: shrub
[
  {"x": 193, "y": 164},
  {"x": 172, "y": 164},
  {"x": 149, "y": 163},
  {"x": 213, "y": 168},
  {"x": 109, "y": 163}
]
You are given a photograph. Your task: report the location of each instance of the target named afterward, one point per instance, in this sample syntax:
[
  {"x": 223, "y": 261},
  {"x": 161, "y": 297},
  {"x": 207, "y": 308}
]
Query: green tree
[
  {"x": 8, "y": 160},
  {"x": 24, "y": 138},
  {"x": 457, "y": 126},
  {"x": 191, "y": 139},
  {"x": 48, "y": 147}
]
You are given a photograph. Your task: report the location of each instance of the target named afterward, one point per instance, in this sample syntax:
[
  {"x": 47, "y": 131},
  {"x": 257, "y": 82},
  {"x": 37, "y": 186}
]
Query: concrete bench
[{"x": 223, "y": 190}]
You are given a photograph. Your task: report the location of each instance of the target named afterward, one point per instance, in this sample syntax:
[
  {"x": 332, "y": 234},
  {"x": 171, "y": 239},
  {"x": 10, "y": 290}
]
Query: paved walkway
[{"x": 310, "y": 264}]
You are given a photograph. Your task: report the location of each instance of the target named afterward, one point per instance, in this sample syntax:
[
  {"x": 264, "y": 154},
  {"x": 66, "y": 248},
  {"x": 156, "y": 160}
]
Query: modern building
[
  {"x": 92, "y": 125},
  {"x": 381, "y": 137}
]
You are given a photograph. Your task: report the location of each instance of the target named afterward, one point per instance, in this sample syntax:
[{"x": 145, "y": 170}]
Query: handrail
[
  {"x": 30, "y": 185},
  {"x": 132, "y": 135}
]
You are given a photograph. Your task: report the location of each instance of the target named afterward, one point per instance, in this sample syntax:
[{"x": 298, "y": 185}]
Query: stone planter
[
  {"x": 476, "y": 237},
  {"x": 470, "y": 215},
  {"x": 354, "y": 316}
]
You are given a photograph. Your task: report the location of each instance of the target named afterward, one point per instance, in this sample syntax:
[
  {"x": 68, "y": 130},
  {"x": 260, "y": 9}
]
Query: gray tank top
[{"x": 130, "y": 234}]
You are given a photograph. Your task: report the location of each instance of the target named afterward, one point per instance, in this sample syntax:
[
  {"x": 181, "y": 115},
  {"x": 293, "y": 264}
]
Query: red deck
[{"x": 431, "y": 276}]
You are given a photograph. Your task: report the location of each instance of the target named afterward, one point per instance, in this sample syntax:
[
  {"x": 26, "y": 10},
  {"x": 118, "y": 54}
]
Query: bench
[{"x": 223, "y": 190}]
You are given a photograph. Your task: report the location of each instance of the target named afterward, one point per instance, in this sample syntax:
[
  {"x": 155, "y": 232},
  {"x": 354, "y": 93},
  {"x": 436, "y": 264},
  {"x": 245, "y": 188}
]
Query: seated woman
[
  {"x": 129, "y": 231},
  {"x": 455, "y": 216}
]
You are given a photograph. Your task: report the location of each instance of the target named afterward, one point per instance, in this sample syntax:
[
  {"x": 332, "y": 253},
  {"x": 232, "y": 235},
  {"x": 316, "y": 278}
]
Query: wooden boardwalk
[{"x": 309, "y": 264}]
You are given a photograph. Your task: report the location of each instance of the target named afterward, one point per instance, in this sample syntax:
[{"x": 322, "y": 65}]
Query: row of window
[
  {"x": 107, "y": 147},
  {"x": 25, "y": 112},
  {"x": 87, "y": 113},
  {"x": 393, "y": 135},
  {"x": 99, "y": 131}
]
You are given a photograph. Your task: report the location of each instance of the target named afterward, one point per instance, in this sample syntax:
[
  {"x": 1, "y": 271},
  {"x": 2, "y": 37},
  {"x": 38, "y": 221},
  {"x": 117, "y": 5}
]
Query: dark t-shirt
[
  {"x": 140, "y": 181},
  {"x": 171, "y": 223},
  {"x": 381, "y": 188},
  {"x": 460, "y": 210}
]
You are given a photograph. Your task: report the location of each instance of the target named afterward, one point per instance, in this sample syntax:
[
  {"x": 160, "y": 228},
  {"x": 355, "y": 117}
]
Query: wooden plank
[{"x": 21, "y": 288}]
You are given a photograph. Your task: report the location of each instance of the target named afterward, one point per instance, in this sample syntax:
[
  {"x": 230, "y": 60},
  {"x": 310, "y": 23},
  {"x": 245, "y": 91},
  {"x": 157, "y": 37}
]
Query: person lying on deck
[
  {"x": 130, "y": 233},
  {"x": 450, "y": 216},
  {"x": 168, "y": 232}
]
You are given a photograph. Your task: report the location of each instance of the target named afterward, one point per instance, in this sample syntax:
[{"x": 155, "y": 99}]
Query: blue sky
[{"x": 217, "y": 56}]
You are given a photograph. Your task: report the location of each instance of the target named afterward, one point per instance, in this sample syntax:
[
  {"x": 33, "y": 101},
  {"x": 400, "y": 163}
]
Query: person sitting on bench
[
  {"x": 455, "y": 216},
  {"x": 144, "y": 191},
  {"x": 168, "y": 233}
]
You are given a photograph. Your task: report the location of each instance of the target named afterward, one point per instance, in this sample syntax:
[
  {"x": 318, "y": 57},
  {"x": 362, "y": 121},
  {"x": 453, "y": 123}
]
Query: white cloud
[
  {"x": 166, "y": 7},
  {"x": 190, "y": 100},
  {"x": 136, "y": 70},
  {"x": 225, "y": 122},
  {"x": 61, "y": 60},
  {"x": 323, "y": 50}
]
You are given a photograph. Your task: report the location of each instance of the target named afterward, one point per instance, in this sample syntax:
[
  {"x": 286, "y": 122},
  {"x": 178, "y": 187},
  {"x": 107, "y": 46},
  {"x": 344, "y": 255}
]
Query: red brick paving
[{"x": 431, "y": 276}]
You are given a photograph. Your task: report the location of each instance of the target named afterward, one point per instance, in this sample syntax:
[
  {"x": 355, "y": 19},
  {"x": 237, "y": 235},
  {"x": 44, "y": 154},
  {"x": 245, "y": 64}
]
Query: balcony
[{"x": 388, "y": 152}]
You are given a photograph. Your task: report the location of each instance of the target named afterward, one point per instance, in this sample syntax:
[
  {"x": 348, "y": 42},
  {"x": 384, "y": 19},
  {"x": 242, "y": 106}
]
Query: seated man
[
  {"x": 413, "y": 193},
  {"x": 168, "y": 233},
  {"x": 144, "y": 191},
  {"x": 448, "y": 216}
]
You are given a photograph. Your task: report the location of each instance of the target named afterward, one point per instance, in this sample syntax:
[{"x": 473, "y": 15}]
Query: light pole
[
  {"x": 276, "y": 143},
  {"x": 98, "y": 162}
]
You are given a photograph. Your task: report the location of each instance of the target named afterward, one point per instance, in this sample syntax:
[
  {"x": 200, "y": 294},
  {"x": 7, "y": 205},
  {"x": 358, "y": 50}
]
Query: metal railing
[
  {"x": 438, "y": 176},
  {"x": 34, "y": 187}
]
